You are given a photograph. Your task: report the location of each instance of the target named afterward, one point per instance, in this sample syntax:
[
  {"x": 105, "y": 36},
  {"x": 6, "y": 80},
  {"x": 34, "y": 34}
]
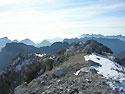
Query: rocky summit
[
  {"x": 80, "y": 68},
  {"x": 94, "y": 46}
]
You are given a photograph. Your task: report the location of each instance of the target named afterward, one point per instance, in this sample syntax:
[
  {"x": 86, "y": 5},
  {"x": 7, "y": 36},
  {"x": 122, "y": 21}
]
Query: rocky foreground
[
  {"x": 64, "y": 80},
  {"x": 70, "y": 71}
]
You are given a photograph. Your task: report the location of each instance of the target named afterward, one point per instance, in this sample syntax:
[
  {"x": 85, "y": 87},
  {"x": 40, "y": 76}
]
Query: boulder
[{"x": 59, "y": 72}]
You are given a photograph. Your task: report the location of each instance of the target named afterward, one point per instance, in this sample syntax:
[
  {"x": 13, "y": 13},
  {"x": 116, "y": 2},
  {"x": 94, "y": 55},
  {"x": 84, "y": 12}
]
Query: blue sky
[{"x": 43, "y": 19}]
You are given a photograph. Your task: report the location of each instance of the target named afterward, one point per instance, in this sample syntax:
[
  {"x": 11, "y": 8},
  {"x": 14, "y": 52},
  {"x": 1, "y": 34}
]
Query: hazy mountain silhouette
[
  {"x": 3, "y": 42},
  {"x": 28, "y": 42},
  {"x": 55, "y": 40},
  {"x": 15, "y": 41},
  {"x": 102, "y": 36},
  {"x": 44, "y": 43}
]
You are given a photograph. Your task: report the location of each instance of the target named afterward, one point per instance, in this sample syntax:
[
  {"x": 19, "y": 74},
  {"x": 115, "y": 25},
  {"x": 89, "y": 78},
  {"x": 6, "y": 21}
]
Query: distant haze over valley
[
  {"x": 60, "y": 39},
  {"x": 48, "y": 42}
]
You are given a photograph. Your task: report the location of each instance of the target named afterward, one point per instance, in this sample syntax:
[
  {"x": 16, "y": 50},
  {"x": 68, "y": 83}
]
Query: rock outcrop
[{"x": 92, "y": 46}]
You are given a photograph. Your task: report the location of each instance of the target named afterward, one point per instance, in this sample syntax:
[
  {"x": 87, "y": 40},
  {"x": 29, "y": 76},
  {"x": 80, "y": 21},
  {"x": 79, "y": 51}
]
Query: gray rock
[
  {"x": 92, "y": 69},
  {"x": 92, "y": 63},
  {"x": 59, "y": 72},
  {"x": 83, "y": 71}
]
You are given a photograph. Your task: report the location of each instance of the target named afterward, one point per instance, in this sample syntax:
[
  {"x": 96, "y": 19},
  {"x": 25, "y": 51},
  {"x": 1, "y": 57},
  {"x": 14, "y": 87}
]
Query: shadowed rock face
[
  {"x": 92, "y": 46},
  {"x": 13, "y": 49}
]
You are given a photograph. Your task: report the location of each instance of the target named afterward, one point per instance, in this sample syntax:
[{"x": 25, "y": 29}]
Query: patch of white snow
[
  {"x": 77, "y": 73},
  {"x": 40, "y": 55},
  {"x": 109, "y": 69}
]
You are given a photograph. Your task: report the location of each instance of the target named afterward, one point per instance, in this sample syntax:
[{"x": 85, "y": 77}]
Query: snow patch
[
  {"x": 40, "y": 55},
  {"x": 52, "y": 57},
  {"x": 109, "y": 69},
  {"x": 77, "y": 73}
]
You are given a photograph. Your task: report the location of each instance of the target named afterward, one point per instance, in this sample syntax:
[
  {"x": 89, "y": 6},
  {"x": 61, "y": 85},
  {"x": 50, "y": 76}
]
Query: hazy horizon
[
  {"x": 47, "y": 19},
  {"x": 40, "y": 40}
]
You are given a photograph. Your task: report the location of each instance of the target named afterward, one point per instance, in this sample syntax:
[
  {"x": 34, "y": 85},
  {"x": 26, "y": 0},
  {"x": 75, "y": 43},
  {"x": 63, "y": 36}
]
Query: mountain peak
[
  {"x": 28, "y": 42},
  {"x": 5, "y": 37},
  {"x": 89, "y": 47},
  {"x": 26, "y": 39},
  {"x": 15, "y": 41},
  {"x": 44, "y": 43},
  {"x": 92, "y": 46}
]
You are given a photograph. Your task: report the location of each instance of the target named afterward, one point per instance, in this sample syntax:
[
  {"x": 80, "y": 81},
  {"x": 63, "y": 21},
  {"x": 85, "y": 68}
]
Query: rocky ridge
[{"x": 67, "y": 72}]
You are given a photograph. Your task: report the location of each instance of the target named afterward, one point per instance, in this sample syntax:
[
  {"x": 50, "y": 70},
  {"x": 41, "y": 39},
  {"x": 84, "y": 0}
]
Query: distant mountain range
[
  {"x": 41, "y": 44},
  {"x": 55, "y": 40},
  {"x": 5, "y": 40},
  {"x": 48, "y": 42},
  {"x": 102, "y": 36}
]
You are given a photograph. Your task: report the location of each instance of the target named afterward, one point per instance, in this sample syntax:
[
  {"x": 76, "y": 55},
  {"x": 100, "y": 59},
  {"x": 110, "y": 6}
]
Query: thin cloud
[{"x": 62, "y": 18}]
